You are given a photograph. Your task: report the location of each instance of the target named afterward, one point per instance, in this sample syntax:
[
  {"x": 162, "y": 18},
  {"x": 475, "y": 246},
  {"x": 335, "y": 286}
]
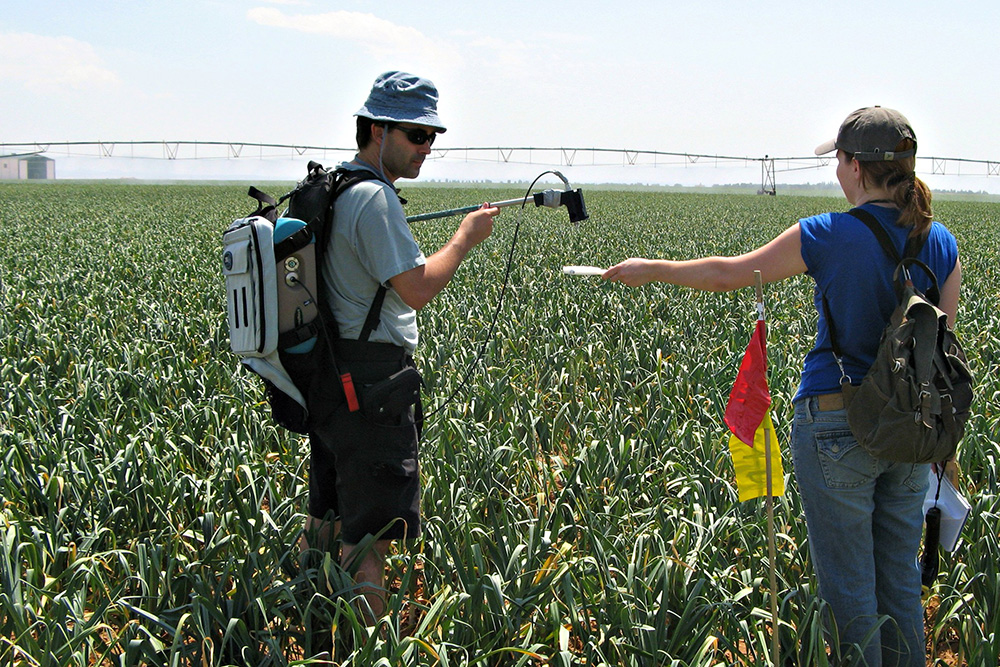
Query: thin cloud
[
  {"x": 380, "y": 38},
  {"x": 46, "y": 64}
]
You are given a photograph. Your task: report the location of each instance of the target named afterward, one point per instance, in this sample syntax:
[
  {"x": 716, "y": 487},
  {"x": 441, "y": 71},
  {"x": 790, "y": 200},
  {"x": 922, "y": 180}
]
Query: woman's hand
[{"x": 633, "y": 272}]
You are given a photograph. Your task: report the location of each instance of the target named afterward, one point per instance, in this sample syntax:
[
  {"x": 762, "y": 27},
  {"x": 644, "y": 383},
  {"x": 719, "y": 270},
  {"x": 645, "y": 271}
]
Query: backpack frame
[{"x": 257, "y": 268}]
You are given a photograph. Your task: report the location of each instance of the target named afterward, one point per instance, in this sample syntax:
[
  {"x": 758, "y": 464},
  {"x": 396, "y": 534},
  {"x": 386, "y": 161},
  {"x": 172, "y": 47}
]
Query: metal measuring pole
[{"x": 571, "y": 199}]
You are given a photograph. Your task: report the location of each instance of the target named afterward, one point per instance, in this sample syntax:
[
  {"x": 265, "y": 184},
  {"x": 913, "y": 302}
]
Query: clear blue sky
[{"x": 715, "y": 77}]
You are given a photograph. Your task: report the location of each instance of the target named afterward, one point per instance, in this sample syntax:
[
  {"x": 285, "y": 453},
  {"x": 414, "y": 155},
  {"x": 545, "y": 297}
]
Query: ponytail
[{"x": 915, "y": 207}]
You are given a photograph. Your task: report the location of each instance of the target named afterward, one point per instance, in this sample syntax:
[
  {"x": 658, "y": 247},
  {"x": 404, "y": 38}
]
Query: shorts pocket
[
  {"x": 845, "y": 463},
  {"x": 386, "y": 402},
  {"x": 393, "y": 451},
  {"x": 400, "y": 470}
]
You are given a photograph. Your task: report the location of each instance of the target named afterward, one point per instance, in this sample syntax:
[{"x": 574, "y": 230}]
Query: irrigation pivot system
[{"x": 542, "y": 156}]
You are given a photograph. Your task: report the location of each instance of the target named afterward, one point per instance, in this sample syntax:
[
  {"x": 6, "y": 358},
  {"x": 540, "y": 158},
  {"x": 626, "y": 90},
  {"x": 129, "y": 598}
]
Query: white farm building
[{"x": 27, "y": 166}]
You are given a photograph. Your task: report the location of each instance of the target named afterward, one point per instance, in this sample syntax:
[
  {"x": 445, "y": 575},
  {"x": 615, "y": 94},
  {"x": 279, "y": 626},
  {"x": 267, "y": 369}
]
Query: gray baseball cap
[
  {"x": 872, "y": 134},
  {"x": 398, "y": 97}
]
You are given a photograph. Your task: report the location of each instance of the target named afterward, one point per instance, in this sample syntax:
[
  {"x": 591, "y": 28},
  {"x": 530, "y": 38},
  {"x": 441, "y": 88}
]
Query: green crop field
[{"x": 579, "y": 500}]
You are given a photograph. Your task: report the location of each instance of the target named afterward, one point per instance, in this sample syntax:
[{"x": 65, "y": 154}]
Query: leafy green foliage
[{"x": 578, "y": 502}]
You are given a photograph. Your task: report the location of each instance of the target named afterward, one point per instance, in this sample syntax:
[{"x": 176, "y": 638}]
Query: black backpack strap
[
  {"x": 374, "y": 314},
  {"x": 266, "y": 206},
  {"x": 914, "y": 244},
  {"x": 913, "y": 247},
  {"x": 344, "y": 179},
  {"x": 879, "y": 231},
  {"x": 833, "y": 330},
  {"x": 299, "y": 334},
  {"x": 320, "y": 228}
]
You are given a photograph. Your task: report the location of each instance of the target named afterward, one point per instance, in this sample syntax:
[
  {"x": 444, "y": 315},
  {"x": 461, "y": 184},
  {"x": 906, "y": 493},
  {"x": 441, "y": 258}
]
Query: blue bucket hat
[{"x": 398, "y": 97}]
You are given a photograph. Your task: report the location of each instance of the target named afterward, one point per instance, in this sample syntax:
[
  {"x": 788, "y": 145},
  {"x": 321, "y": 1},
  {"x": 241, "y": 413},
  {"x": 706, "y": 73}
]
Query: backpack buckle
[{"x": 924, "y": 416}]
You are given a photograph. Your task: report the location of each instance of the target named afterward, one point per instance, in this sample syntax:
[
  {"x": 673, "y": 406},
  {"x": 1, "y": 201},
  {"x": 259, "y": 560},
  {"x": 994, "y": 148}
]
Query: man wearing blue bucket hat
[{"x": 364, "y": 473}]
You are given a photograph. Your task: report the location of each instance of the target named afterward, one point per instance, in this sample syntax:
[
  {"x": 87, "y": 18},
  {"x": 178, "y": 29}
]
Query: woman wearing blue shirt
[{"x": 864, "y": 515}]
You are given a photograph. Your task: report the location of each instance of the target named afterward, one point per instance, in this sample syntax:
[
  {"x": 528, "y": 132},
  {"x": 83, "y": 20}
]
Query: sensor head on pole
[{"x": 573, "y": 201}]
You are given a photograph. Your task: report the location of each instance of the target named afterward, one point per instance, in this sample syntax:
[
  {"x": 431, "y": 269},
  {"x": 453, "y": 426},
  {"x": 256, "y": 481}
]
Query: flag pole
[{"x": 769, "y": 504}]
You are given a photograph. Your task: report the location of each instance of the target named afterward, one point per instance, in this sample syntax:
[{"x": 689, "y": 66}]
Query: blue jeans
[{"x": 865, "y": 520}]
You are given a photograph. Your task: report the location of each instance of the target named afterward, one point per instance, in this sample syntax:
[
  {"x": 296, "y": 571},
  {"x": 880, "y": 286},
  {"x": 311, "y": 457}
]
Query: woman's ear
[{"x": 854, "y": 171}]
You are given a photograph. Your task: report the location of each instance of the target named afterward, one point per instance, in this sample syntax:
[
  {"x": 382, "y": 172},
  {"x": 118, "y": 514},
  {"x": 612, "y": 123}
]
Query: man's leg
[
  {"x": 319, "y": 534},
  {"x": 370, "y": 574},
  {"x": 324, "y": 503},
  {"x": 377, "y": 487}
]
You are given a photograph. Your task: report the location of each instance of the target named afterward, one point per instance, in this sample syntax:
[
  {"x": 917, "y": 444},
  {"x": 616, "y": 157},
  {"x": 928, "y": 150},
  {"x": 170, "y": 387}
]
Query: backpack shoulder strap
[
  {"x": 266, "y": 206},
  {"x": 343, "y": 179},
  {"x": 890, "y": 250},
  {"x": 883, "y": 237},
  {"x": 837, "y": 351},
  {"x": 914, "y": 244},
  {"x": 348, "y": 177},
  {"x": 910, "y": 252},
  {"x": 374, "y": 314}
]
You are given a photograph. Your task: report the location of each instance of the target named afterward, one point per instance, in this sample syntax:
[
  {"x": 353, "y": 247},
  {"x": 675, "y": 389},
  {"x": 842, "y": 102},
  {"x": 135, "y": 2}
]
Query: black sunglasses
[{"x": 415, "y": 135}]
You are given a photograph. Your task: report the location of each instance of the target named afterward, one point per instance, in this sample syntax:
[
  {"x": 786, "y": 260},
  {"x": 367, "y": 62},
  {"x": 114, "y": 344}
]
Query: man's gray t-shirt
[{"x": 370, "y": 243}]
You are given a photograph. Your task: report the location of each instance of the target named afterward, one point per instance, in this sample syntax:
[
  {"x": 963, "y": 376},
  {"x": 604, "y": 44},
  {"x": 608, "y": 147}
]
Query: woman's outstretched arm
[{"x": 779, "y": 259}]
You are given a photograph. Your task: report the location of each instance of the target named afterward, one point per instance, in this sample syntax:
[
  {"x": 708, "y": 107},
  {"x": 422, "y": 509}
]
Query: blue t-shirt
[{"x": 849, "y": 266}]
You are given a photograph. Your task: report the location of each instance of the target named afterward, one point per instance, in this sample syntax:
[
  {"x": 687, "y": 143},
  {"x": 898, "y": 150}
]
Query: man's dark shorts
[{"x": 363, "y": 473}]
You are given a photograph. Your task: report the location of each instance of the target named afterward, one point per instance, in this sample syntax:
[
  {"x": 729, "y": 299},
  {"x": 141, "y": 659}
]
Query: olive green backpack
[{"x": 914, "y": 401}]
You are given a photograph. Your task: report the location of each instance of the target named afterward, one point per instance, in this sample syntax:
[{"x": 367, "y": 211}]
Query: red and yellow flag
[{"x": 748, "y": 417}]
